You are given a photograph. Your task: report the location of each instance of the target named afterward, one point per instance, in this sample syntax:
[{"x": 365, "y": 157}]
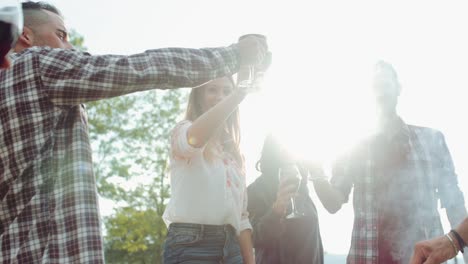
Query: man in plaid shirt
[
  {"x": 399, "y": 174},
  {"x": 49, "y": 209}
]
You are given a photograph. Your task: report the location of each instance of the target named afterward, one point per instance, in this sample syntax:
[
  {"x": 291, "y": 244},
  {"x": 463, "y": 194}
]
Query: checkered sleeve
[
  {"x": 245, "y": 222},
  {"x": 180, "y": 147},
  {"x": 448, "y": 188},
  {"x": 73, "y": 77}
]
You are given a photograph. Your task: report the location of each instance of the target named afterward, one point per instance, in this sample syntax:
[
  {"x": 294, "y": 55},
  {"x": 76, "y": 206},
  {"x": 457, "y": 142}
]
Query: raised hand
[
  {"x": 252, "y": 49},
  {"x": 433, "y": 251},
  {"x": 286, "y": 190}
]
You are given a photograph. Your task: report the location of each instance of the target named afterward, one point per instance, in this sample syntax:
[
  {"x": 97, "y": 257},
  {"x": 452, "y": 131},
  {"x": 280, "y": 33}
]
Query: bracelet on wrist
[
  {"x": 460, "y": 241},
  {"x": 453, "y": 243}
]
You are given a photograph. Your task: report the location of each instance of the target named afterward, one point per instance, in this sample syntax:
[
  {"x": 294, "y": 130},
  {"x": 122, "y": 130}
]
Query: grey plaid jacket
[
  {"x": 48, "y": 200},
  {"x": 428, "y": 166}
]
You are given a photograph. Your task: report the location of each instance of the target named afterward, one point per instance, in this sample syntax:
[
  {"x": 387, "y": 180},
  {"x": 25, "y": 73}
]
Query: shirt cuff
[
  {"x": 231, "y": 57},
  {"x": 245, "y": 224},
  {"x": 181, "y": 145}
]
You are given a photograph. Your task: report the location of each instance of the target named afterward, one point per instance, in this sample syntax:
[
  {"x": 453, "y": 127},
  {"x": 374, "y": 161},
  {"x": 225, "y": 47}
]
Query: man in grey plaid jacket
[
  {"x": 398, "y": 176},
  {"x": 48, "y": 201}
]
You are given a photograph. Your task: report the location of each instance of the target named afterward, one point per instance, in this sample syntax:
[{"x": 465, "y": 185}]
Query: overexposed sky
[{"x": 316, "y": 94}]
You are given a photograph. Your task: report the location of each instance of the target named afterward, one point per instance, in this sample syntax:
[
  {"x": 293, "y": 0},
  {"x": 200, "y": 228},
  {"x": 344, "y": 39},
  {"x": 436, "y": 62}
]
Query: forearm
[
  {"x": 72, "y": 77},
  {"x": 203, "y": 128},
  {"x": 245, "y": 242},
  {"x": 331, "y": 198},
  {"x": 456, "y": 215}
]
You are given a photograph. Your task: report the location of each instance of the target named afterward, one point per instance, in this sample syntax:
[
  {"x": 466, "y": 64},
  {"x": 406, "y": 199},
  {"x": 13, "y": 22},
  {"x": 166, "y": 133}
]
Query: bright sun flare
[{"x": 315, "y": 119}]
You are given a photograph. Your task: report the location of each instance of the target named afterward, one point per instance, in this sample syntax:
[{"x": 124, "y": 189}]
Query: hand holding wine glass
[
  {"x": 250, "y": 76},
  {"x": 290, "y": 176},
  {"x": 286, "y": 190},
  {"x": 252, "y": 49}
]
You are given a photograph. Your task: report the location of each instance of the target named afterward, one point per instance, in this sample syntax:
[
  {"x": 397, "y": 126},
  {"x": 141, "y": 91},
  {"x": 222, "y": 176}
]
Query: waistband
[{"x": 203, "y": 228}]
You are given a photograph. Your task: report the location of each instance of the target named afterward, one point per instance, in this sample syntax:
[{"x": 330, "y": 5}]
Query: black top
[{"x": 281, "y": 241}]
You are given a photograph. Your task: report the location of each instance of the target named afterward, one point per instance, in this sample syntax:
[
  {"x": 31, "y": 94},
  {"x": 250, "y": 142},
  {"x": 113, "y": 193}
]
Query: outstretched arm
[
  {"x": 71, "y": 77},
  {"x": 203, "y": 128},
  {"x": 330, "y": 196}
]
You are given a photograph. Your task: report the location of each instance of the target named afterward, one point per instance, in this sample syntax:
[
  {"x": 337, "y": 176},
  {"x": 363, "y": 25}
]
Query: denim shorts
[{"x": 204, "y": 244}]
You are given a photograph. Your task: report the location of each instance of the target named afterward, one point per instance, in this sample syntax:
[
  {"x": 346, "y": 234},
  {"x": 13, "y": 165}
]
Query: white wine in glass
[{"x": 285, "y": 172}]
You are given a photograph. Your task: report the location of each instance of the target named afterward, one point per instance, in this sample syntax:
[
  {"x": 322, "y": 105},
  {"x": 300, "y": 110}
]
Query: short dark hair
[
  {"x": 30, "y": 5},
  {"x": 34, "y": 13}
]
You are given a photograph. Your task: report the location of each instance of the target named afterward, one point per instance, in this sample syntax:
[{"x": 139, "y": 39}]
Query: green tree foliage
[
  {"x": 130, "y": 140},
  {"x": 130, "y": 136},
  {"x": 77, "y": 40}
]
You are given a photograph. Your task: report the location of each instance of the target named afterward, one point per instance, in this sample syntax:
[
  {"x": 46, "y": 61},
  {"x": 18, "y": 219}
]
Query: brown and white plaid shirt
[{"x": 48, "y": 201}]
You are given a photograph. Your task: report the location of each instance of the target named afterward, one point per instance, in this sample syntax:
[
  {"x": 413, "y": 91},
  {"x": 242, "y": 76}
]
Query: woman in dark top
[{"x": 278, "y": 240}]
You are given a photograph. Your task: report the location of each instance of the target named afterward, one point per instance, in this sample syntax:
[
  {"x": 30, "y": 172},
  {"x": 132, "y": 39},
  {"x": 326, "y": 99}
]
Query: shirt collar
[{"x": 398, "y": 127}]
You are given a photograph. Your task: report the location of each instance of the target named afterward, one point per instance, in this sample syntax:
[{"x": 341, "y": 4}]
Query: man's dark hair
[
  {"x": 30, "y": 5},
  {"x": 34, "y": 14}
]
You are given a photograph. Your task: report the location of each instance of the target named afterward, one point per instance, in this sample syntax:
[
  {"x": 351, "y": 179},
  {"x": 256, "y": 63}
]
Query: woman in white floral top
[{"x": 207, "y": 214}]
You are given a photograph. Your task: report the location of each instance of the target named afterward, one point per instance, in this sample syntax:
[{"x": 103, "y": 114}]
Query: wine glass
[
  {"x": 247, "y": 80},
  {"x": 287, "y": 171},
  {"x": 251, "y": 77},
  {"x": 259, "y": 71}
]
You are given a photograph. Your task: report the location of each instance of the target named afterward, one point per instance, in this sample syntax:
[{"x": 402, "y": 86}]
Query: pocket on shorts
[{"x": 177, "y": 237}]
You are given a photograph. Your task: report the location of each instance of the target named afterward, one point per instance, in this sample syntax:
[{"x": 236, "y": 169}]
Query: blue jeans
[{"x": 202, "y": 244}]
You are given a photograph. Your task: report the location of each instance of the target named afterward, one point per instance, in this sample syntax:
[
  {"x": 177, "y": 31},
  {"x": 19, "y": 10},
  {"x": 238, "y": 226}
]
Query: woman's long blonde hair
[{"x": 230, "y": 133}]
